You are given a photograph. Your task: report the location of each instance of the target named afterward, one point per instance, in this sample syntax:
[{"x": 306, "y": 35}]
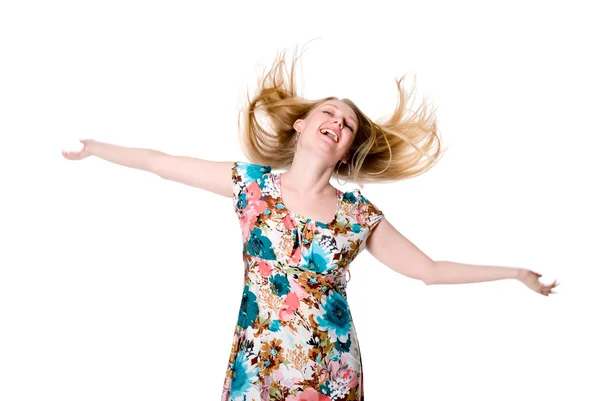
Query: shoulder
[
  {"x": 363, "y": 200},
  {"x": 356, "y": 197},
  {"x": 248, "y": 179},
  {"x": 367, "y": 210},
  {"x": 246, "y": 172}
]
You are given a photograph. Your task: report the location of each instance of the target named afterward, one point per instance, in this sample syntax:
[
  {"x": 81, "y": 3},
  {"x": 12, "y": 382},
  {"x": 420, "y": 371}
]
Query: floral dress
[{"x": 295, "y": 339}]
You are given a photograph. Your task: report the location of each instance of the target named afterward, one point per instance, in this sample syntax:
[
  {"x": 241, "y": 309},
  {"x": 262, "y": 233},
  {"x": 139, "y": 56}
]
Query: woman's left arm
[
  {"x": 394, "y": 250},
  {"x": 445, "y": 272}
]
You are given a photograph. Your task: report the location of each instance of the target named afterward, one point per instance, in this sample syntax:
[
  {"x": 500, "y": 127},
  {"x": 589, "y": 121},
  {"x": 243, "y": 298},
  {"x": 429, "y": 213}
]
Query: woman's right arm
[{"x": 204, "y": 174}]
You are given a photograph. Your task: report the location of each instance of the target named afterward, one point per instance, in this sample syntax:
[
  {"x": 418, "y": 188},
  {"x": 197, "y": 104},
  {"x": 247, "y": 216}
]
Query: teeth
[{"x": 335, "y": 137}]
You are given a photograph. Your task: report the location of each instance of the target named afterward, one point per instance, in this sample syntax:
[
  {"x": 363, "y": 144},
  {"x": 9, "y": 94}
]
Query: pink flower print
[
  {"x": 254, "y": 208},
  {"x": 247, "y": 222},
  {"x": 333, "y": 368},
  {"x": 295, "y": 259},
  {"x": 338, "y": 368},
  {"x": 253, "y": 192},
  {"x": 289, "y": 223},
  {"x": 297, "y": 289},
  {"x": 341, "y": 373},
  {"x": 310, "y": 394},
  {"x": 265, "y": 268},
  {"x": 289, "y": 305},
  {"x": 359, "y": 216},
  {"x": 352, "y": 378}
]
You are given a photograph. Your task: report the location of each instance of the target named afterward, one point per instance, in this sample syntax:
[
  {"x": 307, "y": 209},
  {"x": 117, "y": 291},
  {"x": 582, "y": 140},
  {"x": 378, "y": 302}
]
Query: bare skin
[
  {"x": 76, "y": 154},
  {"x": 305, "y": 186},
  {"x": 306, "y": 189}
]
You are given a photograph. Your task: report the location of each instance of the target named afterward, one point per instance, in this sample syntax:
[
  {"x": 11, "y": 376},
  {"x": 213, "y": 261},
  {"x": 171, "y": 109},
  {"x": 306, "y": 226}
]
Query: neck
[{"x": 309, "y": 179}]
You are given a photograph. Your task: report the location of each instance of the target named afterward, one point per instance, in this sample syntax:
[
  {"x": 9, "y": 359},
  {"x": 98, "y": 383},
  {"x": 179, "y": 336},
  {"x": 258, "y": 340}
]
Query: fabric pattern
[{"x": 295, "y": 339}]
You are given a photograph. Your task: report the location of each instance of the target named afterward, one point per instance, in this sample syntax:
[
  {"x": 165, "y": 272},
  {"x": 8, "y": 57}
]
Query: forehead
[{"x": 342, "y": 106}]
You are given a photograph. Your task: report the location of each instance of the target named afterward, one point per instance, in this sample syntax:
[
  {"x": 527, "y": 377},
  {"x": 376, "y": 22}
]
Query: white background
[{"x": 118, "y": 285}]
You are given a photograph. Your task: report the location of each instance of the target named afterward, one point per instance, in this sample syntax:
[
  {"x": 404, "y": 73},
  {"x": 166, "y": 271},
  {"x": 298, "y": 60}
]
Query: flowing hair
[{"x": 400, "y": 146}]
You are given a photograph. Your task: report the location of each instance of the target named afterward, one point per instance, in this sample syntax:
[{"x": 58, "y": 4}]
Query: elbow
[
  {"x": 429, "y": 276},
  {"x": 157, "y": 164}
]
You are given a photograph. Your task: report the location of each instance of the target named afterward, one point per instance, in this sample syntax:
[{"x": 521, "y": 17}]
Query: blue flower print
[
  {"x": 343, "y": 347},
  {"x": 248, "y": 309},
  {"x": 324, "y": 389},
  {"x": 317, "y": 259},
  {"x": 275, "y": 325},
  {"x": 243, "y": 376},
  {"x": 349, "y": 197},
  {"x": 294, "y": 303},
  {"x": 280, "y": 284},
  {"x": 336, "y": 318},
  {"x": 242, "y": 201},
  {"x": 254, "y": 172},
  {"x": 260, "y": 245}
]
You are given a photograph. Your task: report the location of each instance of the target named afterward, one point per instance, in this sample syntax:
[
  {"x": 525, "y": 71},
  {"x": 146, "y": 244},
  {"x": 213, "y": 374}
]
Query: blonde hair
[{"x": 401, "y": 146}]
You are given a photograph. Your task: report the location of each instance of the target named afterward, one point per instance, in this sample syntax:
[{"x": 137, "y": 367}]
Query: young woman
[{"x": 295, "y": 339}]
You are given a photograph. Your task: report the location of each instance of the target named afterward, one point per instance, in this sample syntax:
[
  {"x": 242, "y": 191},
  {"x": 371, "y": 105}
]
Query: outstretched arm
[
  {"x": 394, "y": 250},
  {"x": 204, "y": 174}
]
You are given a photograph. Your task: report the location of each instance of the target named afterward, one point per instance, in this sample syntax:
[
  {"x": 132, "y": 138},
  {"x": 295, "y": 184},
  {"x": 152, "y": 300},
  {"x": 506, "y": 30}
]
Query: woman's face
[{"x": 330, "y": 128}]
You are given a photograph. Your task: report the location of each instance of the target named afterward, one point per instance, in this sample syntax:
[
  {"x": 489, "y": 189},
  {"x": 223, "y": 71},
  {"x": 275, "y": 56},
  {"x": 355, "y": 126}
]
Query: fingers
[
  {"x": 539, "y": 287},
  {"x": 71, "y": 155},
  {"x": 548, "y": 289},
  {"x": 67, "y": 155}
]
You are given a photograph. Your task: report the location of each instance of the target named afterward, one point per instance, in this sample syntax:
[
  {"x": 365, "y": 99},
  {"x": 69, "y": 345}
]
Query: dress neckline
[{"x": 338, "y": 200}]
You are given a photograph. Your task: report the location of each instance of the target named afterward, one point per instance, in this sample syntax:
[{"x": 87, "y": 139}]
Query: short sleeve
[
  {"x": 242, "y": 175},
  {"x": 238, "y": 180},
  {"x": 370, "y": 213}
]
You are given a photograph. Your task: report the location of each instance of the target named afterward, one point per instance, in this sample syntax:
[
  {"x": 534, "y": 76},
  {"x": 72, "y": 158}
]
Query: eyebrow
[{"x": 333, "y": 105}]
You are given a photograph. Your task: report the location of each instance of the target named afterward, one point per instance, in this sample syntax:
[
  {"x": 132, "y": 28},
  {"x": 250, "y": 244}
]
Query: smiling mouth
[{"x": 332, "y": 135}]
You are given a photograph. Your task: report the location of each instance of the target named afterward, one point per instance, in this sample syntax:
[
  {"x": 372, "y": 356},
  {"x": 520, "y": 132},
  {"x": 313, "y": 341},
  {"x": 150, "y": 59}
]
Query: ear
[
  {"x": 346, "y": 157},
  {"x": 299, "y": 125}
]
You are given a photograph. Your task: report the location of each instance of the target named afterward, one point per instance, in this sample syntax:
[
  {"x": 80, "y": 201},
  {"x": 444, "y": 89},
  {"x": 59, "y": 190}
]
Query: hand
[
  {"x": 531, "y": 280},
  {"x": 77, "y": 155}
]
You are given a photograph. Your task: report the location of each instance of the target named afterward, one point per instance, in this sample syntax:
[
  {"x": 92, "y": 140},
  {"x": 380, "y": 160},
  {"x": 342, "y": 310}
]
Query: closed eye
[{"x": 331, "y": 114}]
